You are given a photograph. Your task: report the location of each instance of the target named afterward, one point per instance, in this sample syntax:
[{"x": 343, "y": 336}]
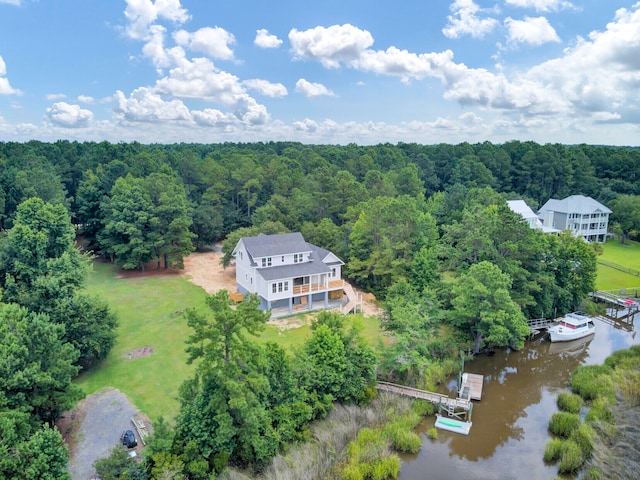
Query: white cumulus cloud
[
  {"x": 69, "y": 116},
  {"x": 268, "y": 89},
  {"x": 266, "y": 40},
  {"x": 210, "y": 117},
  {"x": 5, "y": 86},
  {"x": 143, "y": 13},
  {"x": 534, "y": 31},
  {"x": 466, "y": 19},
  {"x": 331, "y": 46},
  {"x": 86, "y": 99},
  {"x": 311, "y": 89},
  {"x": 212, "y": 41},
  {"x": 143, "y": 105}
]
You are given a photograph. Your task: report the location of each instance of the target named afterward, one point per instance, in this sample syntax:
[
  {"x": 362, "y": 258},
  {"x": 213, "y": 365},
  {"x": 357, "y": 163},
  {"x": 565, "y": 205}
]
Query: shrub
[
  {"x": 432, "y": 433},
  {"x": 592, "y": 381},
  {"x": 563, "y": 424},
  {"x": 571, "y": 459},
  {"x": 583, "y": 436},
  {"x": 570, "y": 402},
  {"x": 553, "y": 450},
  {"x": 367, "y": 396}
]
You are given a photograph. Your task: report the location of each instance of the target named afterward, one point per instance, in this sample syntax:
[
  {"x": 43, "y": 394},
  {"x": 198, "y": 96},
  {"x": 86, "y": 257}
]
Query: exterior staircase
[{"x": 352, "y": 299}]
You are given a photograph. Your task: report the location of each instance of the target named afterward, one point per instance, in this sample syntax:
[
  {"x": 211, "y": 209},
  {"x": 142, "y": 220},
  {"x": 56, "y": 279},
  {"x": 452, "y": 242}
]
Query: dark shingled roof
[{"x": 272, "y": 245}]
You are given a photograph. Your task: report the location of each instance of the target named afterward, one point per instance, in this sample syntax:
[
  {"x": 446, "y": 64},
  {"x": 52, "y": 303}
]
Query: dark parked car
[{"x": 128, "y": 439}]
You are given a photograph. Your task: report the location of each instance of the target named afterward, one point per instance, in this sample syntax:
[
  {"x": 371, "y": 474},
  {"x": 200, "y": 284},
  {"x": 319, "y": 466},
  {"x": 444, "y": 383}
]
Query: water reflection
[{"x": 509, "y": 430}]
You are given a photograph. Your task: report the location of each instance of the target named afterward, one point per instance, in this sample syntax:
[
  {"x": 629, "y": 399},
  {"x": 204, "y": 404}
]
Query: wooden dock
[
  {"x": 454, "y": 407},
  {"x": 537, "y": 324},
  {"x": 471, "y": 385}
]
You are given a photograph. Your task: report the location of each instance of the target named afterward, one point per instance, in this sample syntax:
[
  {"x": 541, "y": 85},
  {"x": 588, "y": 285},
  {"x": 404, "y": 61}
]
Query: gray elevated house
[
  {"x": 288, "y": 274},
  {"x": 583, "y": 216}
]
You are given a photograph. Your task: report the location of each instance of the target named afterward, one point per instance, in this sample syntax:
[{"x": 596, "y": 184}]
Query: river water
[{"x": 509, "y": 432}]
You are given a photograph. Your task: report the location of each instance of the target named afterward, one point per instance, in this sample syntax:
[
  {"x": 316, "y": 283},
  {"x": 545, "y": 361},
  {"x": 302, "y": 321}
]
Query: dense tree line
[{"x": 49, "y": 330}]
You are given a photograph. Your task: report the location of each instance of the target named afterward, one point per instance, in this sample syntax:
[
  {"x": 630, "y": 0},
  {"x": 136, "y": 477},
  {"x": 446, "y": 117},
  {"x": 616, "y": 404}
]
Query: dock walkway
[{"x": 461, "y": 407}]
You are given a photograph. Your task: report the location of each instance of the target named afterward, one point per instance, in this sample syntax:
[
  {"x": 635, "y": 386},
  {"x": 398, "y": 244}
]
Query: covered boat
[{"x": 572, "y": 327}]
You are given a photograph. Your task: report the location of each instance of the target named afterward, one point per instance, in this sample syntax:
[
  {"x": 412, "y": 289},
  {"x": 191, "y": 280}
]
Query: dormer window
[
  {"x": 266, "y": 262},
  {"x": 297, "y": 258}
]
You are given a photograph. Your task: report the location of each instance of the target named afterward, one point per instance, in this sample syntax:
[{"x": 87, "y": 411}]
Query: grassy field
[
  {"x": 627, "y": 255},
  {"x": 149, "y": 310}
]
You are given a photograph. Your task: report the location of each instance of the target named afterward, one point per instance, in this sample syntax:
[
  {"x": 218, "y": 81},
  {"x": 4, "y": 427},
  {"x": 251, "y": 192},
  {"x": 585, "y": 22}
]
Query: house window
[
  {"x": 251, "y": 280},
  {"x": 240, "y": 255},
  {"x": 266, "y": 262},
  {"x": 279, "y": 286},
  {"x": 273, "y": 288},
  {"x": 282, "y": 259},
  {"x": 333, "y": 272},
  {"x": 286, "y": 286},
  {"x": 297, "y": 257}
]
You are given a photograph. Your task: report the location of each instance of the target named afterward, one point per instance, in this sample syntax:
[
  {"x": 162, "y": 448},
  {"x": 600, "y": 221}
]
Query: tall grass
[
  {"x": 592, "y": 381},
  {"x": 569, "y": 402},
  {"x": 330, "y": 437}
]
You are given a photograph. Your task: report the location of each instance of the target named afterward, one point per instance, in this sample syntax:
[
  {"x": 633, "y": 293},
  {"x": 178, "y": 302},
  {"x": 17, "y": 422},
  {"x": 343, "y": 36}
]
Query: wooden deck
[{"x": 471, "y": 386}]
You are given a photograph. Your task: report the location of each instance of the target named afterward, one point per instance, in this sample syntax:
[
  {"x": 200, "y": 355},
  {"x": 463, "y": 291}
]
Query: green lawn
[
  {"x": 627, "y": 255},
  {"x": 149, "y": 311}
]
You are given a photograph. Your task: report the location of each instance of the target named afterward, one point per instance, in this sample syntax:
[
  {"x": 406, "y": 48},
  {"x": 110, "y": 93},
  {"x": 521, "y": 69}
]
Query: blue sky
[{"x": 339, "y": 72}]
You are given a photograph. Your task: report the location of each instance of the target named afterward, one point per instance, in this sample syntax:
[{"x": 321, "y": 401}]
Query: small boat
[
  {"x": 572, "y": 327},
  {"x": 456, "y": 426}
]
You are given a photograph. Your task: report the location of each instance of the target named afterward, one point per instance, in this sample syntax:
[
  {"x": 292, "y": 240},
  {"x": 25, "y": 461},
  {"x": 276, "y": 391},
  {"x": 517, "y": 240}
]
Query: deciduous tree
[{"x": 483, "y": 310}]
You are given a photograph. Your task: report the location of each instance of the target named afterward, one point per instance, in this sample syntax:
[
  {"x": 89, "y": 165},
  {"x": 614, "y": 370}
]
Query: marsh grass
[
  {"x": 592, "y": 381},
  {"x": 553, "y": 450},
  {"x": 570, "y": 402},
  {"x": 562, "y": 424},
  {"x": 571, "y": 459},
  {"x": 600, "y": 412},
  {"x": 584, "y": 437},
  {"x": 319, "y": 457}
]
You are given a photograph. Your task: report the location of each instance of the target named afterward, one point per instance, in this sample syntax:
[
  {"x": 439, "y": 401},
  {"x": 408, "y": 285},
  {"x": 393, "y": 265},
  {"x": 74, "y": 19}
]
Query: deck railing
[{"x": 317, "y": 287}]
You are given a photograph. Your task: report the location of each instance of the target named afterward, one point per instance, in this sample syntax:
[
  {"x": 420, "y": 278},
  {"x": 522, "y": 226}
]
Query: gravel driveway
[{"x": 93, "y": 429}]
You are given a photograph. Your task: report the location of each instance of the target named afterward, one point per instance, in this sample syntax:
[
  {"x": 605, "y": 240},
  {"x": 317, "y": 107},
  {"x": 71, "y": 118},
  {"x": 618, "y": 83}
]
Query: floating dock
[
  {"x": 452, "y": 425},
  {"x": 471, "y": 386}
]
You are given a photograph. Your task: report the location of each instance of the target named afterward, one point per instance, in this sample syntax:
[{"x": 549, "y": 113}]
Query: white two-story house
[
  {"x": 584, "y": 216},
  {"x": 287, "y": 273},
  {"x": 521, "y": 208}
]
